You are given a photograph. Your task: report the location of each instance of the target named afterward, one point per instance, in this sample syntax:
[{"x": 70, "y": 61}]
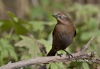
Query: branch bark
[{"x": 81, "y": 55}]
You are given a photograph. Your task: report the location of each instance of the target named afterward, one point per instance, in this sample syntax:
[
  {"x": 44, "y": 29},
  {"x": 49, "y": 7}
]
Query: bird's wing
[
  {"x": 53, "y": 32},
  {"x": 75, "y": 33}
]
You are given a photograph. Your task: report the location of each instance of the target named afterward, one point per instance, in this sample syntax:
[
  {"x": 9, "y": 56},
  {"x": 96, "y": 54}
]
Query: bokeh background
[{"x": 26, "y": 30}]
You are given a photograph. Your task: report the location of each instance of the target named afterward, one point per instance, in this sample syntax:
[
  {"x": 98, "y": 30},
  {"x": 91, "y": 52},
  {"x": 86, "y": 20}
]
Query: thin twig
[{"x": 87, "y": 45}]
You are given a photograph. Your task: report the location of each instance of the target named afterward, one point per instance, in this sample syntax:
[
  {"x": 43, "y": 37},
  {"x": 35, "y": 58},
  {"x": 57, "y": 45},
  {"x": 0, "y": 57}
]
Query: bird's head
[{"x": 62, "y": 18}]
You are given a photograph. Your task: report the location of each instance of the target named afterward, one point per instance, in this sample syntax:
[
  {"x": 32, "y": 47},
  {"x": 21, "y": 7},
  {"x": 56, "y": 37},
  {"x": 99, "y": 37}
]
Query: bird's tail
[{"x": 52, "y": 52}]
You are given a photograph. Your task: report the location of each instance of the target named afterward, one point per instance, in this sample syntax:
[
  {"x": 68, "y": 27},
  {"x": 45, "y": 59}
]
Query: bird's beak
[{"x": 55, "y": 16}]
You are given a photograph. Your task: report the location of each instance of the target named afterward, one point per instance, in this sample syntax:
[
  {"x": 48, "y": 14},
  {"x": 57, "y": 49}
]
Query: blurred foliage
[{"x": 16, "y": 43}]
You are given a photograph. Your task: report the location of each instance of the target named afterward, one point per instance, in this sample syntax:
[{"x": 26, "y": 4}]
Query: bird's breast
[
  {"x": 64, "y": 32},
  {"x": 63, "y": 36}
]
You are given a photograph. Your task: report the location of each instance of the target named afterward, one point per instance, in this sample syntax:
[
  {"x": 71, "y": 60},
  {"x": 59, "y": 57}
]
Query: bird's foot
[
  {"x": 59, "y": 54},
  {"x": 68, "y": 54}
]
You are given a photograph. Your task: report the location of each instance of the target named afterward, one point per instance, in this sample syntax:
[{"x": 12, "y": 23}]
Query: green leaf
[
  {"x": 37, "y": 26},
  {"x": 1, "y": 23},
  {"x": 7, "y": 48},
  {"x": 31, "y": 44},
  {"x": 16, "y": 19},
  {"x": 1, "y": 47},
  {"x": 26, "y": 41},
  {"x": 12, "y": 15},
  {"x": 20, "y": 29},
  {"x": 4, "y": 53},
  {"x": 46, "y": 43},
  {"x": 24, "y": 57},
  {"x": 13, "y": 54},
  {"x": 34, "y": 50},
  {"x": 53, "y": 66},
  {"x": 85, "y": 66},
  {"x": 6, "y": 25},
  {"x": 4, "y": 43}
]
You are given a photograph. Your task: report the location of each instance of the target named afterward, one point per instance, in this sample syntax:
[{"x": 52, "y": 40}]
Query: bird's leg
[
  {"x": 59, "y": 54},
  {"x": 68, "y": 54}
]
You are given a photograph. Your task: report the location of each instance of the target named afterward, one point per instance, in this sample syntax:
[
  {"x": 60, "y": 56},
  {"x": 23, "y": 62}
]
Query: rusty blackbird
[{"x": 63, "y": 33}]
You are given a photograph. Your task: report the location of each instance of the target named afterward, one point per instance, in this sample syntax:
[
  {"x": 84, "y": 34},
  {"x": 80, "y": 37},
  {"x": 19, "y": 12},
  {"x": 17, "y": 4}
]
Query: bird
[{"x": 63, "y": 34}]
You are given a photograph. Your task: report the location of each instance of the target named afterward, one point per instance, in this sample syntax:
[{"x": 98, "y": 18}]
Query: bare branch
[
  {"x": 81, "y": 55},
  {"x": 42, "y": 60},
  {"x": 87, "y": 45}
]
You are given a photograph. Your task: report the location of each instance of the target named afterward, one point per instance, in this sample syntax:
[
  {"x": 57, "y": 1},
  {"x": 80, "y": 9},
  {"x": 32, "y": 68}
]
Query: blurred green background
[{"x": 26, "y": 30}]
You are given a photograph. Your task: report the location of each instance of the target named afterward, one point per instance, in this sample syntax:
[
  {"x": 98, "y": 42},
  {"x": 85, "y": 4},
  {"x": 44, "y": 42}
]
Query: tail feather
[{"x": 51, "y": 53}]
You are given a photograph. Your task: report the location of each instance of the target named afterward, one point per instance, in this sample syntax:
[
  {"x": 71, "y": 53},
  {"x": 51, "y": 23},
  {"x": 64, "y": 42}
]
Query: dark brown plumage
[{"x": 63, "y": 33}]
